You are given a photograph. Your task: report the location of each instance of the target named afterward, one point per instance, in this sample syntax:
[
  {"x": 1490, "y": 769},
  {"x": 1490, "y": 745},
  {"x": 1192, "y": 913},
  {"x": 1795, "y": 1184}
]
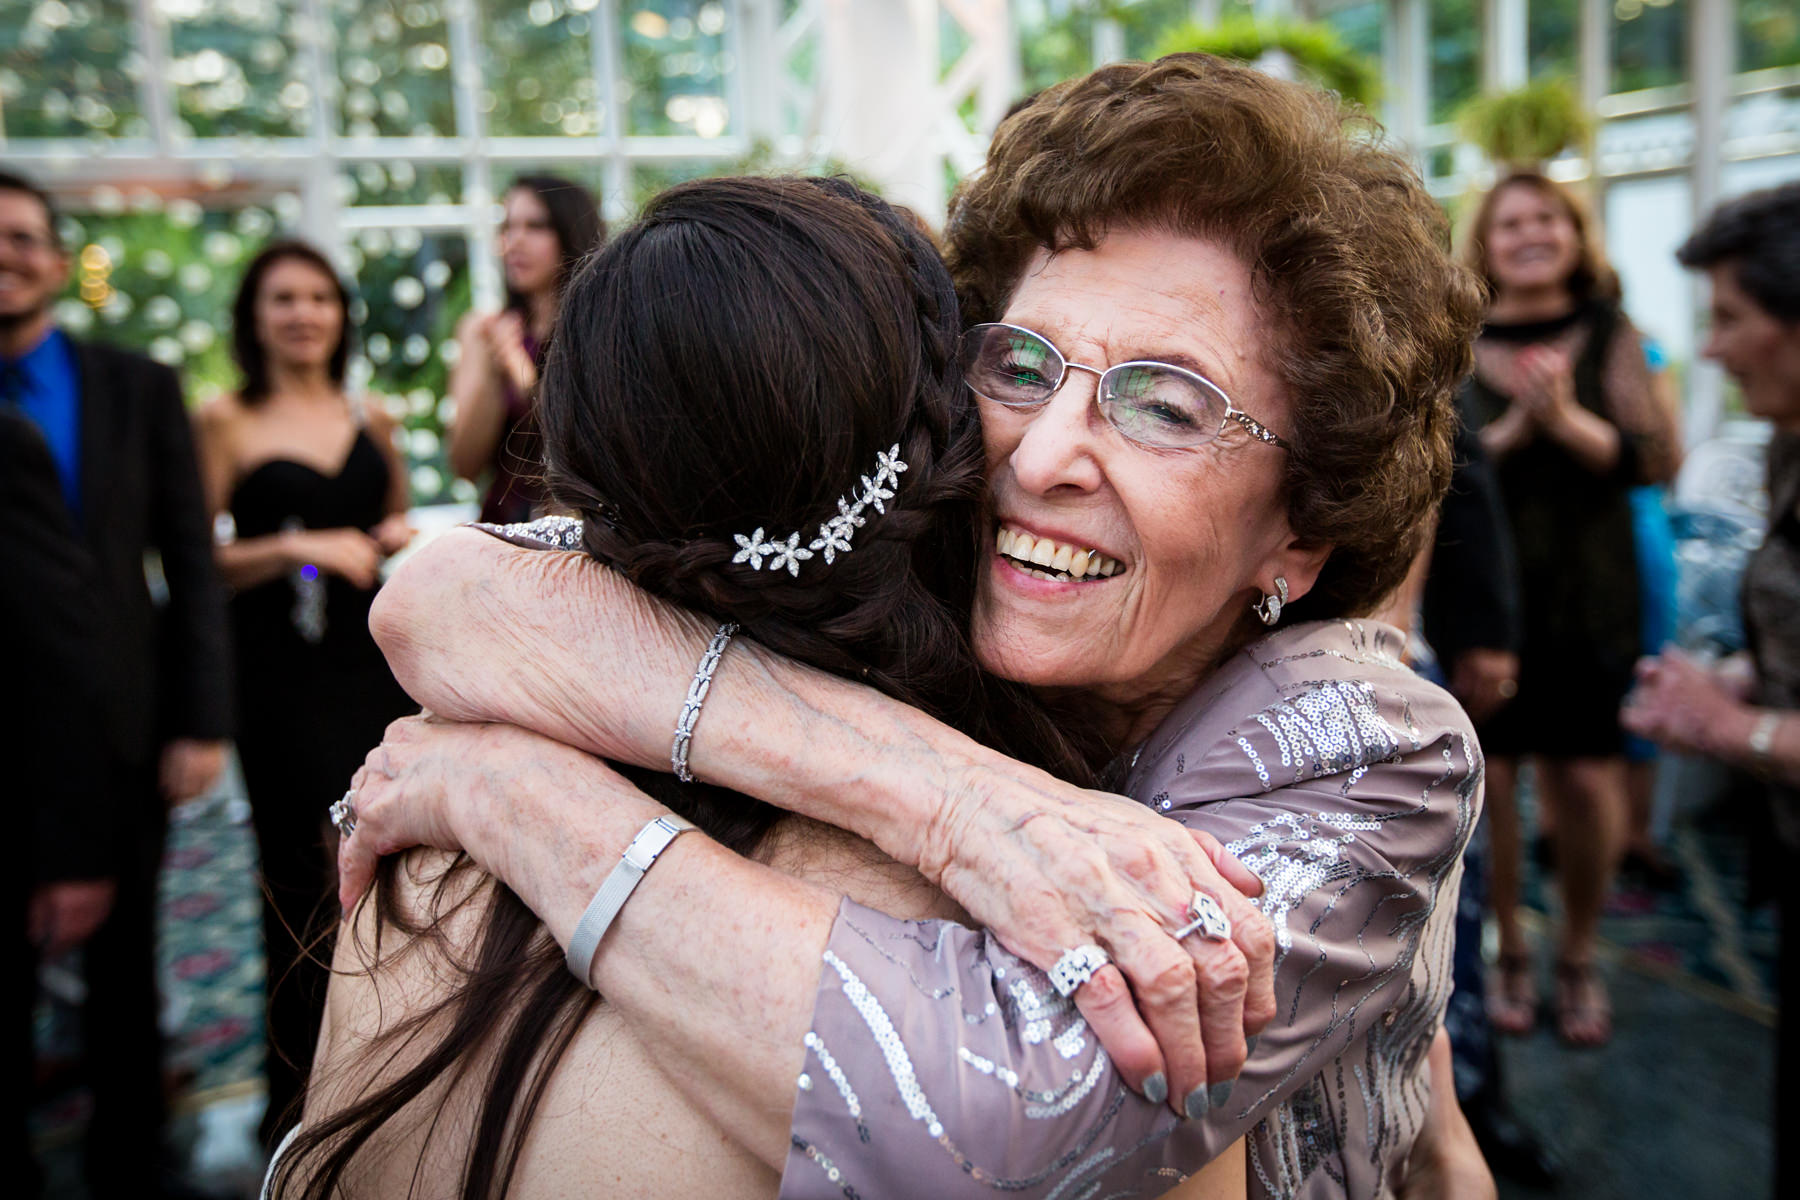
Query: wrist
[
  {"x": 1730, "y": 735},
  {"x": 295, "y": 546}
]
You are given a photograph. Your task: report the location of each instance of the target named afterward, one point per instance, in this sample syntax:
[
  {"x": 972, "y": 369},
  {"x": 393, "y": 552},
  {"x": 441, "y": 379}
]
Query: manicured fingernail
[
  {"x": 1250, "y": 1045},
  {"x": 1196, "y": 1104},
  {"x": 1156, "y": 1088},
  {"x": 1220, "y": 1093}
]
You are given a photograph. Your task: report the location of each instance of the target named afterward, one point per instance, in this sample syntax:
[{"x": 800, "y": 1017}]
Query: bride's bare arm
[{"x": 478, "y": 630}]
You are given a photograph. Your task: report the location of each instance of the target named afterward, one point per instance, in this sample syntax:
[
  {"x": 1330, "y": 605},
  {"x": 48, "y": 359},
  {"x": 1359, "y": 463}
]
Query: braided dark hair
[{"x": 737, "y": 358}]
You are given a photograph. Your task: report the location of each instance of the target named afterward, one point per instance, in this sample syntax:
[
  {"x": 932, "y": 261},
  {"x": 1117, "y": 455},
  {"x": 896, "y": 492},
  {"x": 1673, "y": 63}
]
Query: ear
[{"x": 1297, "y": 561}]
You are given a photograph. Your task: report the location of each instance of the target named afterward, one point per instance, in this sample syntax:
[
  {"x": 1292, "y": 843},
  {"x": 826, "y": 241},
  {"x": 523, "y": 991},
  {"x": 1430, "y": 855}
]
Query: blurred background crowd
[{"x": 275, "y": 279}]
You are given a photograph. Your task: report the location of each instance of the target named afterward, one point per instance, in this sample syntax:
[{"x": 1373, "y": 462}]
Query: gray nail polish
[
  {"x": 1220, "y": 1093},
  {"x": 1156, "y": 1088},
  {"x": 1196, "y": 1104},
  {"x": 1250, "y": 1045}
]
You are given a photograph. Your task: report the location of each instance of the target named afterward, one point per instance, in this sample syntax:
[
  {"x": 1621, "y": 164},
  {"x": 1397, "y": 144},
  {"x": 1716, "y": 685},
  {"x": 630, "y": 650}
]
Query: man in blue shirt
[{"x": 118, "y": 434}]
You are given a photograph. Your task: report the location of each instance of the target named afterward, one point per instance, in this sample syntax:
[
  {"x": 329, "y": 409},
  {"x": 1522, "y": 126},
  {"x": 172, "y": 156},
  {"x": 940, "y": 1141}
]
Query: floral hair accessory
[{"x": 835, "y": 534}]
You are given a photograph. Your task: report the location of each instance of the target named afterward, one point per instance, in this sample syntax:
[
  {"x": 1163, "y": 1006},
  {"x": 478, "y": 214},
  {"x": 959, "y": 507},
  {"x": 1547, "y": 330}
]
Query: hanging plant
[
  {"x": 1317, "y": 52},
  {"x": 1527, "y": 127}
]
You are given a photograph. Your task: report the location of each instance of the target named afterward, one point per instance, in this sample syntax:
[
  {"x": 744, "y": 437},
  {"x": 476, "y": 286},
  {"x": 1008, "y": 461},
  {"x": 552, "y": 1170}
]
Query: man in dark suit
[
  {"x": 57, "y": 788},
  {"x": 119, "y": 436}
]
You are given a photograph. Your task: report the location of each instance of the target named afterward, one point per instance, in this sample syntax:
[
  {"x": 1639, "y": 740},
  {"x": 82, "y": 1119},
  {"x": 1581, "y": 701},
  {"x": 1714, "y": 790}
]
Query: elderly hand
[
  {"x": 1047, "y": 867},
  {"x": 1680, "y": 704},
  {"x": 403, "y": 797}
]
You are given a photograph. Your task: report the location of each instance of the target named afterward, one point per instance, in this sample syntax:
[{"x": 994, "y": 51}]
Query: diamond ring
[
  {"x": 1076, "y": 967},
  {"x": 343, "y": 813},
  {"x": 1209, "y": 920}
]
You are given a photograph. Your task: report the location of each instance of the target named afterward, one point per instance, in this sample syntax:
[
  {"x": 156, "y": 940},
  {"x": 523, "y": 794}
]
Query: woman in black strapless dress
[{"x": 318, "y": 499}]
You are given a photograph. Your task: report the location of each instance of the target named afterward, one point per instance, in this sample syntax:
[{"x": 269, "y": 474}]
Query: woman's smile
[{"x": 1045, "y": 557}]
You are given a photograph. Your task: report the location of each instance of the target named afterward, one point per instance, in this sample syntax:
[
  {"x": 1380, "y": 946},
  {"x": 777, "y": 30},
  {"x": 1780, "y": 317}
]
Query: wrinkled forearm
[{"x": 477, "y": 630}]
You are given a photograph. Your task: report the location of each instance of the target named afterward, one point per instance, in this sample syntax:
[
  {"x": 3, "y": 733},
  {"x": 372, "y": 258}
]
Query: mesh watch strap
[{"x": 651, "y": 841}]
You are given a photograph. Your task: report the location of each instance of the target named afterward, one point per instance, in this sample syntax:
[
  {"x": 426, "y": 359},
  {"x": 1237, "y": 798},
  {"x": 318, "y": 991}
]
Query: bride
[{"x": 752, "y": 354}]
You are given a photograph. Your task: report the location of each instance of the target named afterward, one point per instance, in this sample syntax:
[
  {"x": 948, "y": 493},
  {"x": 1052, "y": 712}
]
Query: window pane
[
  {"x": 1649, "y": 43},
  {"x": 393, "y": 63},
  {"x": 400, "y": 182},
  {"x": 537, "y": 62},
  {"x": 1552, "y": 38},
  {"x": 412, "y": 288},
  {"x": 675, "y": 68},
  {"x": 1056, "y": 41},
  {"x": 63, "y": 69},
  {"x": 1360, "y": 24},
  {"x": 1455, "y": 55},
  {"x": 1768, "y": 34},
  {"x": 234, "y": 70},
  {"x": 159, "y": 275}
]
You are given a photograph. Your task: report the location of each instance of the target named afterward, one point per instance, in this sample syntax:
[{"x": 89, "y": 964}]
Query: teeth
[{"x": 1060, "y": 561}]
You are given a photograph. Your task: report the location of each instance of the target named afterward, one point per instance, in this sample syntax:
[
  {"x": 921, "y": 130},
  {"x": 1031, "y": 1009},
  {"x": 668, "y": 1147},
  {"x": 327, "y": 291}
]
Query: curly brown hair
[
  {"x": 1348, "y": 255},
  {"x": 1593, "y": 277}
]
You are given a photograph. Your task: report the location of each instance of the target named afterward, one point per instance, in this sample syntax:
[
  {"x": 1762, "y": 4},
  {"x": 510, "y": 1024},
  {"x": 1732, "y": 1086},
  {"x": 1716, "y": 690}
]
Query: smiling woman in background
[
  {"x": 317, "y": 495},
  {"x": 550, "y": 224},
  {"x": 1564, "y": 402}
]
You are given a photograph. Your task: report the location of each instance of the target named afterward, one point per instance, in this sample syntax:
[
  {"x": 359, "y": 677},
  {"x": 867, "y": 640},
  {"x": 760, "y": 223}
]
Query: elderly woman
[
  {"x": 1214, "y": 381},
  {"x": 1750, "y": 251}
]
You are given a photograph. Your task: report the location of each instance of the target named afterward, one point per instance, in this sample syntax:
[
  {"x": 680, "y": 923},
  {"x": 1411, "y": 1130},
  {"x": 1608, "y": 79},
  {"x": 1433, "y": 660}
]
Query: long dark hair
[
  {"x": 247, "y": 349},
  {"x": 736, "y": 359},
  {"x": 574, "y": 218}
]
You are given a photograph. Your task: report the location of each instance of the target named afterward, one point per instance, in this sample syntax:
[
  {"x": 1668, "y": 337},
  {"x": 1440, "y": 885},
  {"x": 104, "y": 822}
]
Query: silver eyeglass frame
[{"x": 1256, "y": 429}]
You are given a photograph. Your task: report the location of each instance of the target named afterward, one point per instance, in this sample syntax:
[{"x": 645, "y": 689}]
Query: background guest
[
  {"x": 119, "y": 437},
  {"x": 1563, "y": 401},
  {"x": 550, "y": 224},
  {"x": 317, "y": 494},
  {"x": 1469, "y": 611},
  {"x": 1750, "y": 250},
  {"x": 47, "y": 595}
]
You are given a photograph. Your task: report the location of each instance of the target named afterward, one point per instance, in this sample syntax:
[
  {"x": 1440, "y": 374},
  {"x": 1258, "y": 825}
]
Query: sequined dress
[{"x": 939, "y": 1065}]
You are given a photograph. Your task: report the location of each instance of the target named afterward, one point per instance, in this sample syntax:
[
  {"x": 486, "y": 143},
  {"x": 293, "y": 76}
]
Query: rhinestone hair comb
[{"x": 835, "y": 534}]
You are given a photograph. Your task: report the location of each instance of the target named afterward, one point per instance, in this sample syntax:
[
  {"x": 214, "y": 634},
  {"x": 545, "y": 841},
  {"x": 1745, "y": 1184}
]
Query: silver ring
[
  {"x": 1209, "y": 920},
  {"x": 1076, "y": 967},
  {"x": 343, "y": 813}
]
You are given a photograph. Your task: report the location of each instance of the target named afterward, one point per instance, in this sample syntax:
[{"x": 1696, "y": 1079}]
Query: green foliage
[
  {"x": 1768, "y": 34},
  {"x": 1528, "y": 126},
  {"x": 1455, "y": 54},
  {"x": 1317, "y": 51}
]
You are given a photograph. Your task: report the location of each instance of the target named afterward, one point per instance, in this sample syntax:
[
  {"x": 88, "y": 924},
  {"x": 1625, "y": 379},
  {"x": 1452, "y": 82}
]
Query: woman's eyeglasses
[{"x": 1153, "y": 404}]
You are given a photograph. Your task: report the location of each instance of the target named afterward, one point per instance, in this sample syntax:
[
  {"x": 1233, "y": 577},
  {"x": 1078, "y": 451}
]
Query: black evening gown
[
  {"x": 315, "y": 696},
  {"x": 1577, "y": 559}
]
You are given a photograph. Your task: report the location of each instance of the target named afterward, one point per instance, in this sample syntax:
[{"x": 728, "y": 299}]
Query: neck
[
  {"x": 20, "y": 335},
  {"x": 1532, "y": 304},
  {"x": 303, "y": 381},
  {"x": 540, "y": 313},
  {"x": 1128, "y": 713}
]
